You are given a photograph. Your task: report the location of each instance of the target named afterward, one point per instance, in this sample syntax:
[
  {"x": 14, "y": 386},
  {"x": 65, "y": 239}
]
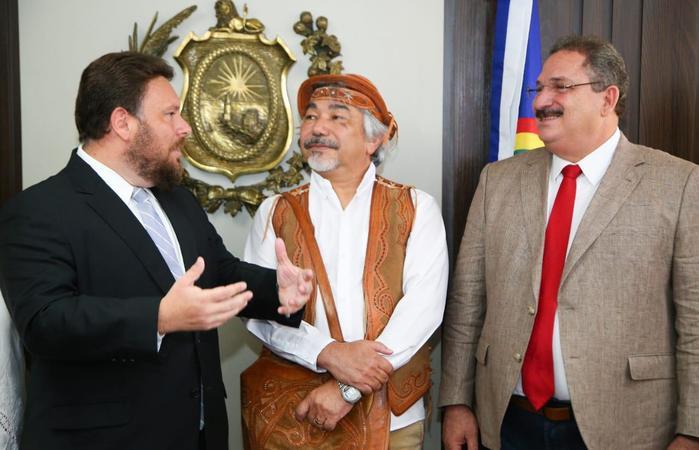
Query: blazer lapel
[
  {"x": 534, "y": 190},
  {"x": 120, "y": 219},
  {"x": 622, "y": 176}
]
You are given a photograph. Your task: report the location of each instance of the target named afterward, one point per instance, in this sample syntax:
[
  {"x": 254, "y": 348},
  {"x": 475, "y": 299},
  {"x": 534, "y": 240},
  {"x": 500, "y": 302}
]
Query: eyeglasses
[{"x": 557, "y": 86}]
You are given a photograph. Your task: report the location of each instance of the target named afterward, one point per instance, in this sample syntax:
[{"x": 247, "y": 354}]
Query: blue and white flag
[{"x": 516, "y": 64}]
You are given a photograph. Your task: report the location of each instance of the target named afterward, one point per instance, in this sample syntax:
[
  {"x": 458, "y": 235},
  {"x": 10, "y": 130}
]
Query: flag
[{"x": 516, "y": 64}]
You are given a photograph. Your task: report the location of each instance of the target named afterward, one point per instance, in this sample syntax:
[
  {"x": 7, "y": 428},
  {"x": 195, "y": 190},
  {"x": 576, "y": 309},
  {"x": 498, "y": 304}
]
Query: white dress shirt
[
  {"x": 342, "y": 236},
  {"x": 593, "y": 166}
]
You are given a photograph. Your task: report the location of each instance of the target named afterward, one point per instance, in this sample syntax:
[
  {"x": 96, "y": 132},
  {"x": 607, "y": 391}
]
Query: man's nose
[
  {"x": 320, "y": 127},
  {"x": 183, "y": 128},
  {"x": 543, "y": 98}
]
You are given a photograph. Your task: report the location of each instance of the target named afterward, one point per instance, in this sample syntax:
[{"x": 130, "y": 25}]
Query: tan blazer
[{"x": 628, "y": 305}]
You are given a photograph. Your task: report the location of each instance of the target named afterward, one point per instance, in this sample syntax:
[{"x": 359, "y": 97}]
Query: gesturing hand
[
  {"x": 294, "y": 283},
  {"x": 187, "y": 307},
  {"x": 359, "y": 363},
  {"x": 323, "y": 407}
]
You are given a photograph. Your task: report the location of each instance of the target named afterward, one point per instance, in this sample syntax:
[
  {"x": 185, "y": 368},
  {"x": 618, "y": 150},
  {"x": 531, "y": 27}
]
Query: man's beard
[
  {"x": 319, "y": 164},
  {"x": 315, "y": 160},
  {"x": 144, "y": 156}
]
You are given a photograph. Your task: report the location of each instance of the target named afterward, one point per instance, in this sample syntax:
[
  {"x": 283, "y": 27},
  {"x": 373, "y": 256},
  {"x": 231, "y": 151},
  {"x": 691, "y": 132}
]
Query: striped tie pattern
[{"x": 156, "y": 230}]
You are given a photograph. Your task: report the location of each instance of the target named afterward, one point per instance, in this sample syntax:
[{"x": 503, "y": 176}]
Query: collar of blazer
[{"x": 107, "y": 205}]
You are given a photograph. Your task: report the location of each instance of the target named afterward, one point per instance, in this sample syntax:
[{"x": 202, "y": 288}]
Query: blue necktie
[{"x": 156, "y": 230}]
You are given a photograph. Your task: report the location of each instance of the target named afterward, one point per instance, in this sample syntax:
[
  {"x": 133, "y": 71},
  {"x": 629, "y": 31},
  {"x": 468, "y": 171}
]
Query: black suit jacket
[{"x": 83, "y": 282}]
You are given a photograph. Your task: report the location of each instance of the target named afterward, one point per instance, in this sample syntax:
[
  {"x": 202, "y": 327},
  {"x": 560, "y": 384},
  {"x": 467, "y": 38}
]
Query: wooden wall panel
[
  {"x": 559, "y": 18},
  {"x": 467, "y": 46},
  {"x": 627, "y": 19},
  {"x": 597, "y": 18},
  {"x": 10, "y": 130},
  {"x": 669, "y": 110}
]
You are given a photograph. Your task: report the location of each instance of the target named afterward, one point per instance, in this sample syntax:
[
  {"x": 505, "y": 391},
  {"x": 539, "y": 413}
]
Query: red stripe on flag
[{"x": 527, "y": 125}]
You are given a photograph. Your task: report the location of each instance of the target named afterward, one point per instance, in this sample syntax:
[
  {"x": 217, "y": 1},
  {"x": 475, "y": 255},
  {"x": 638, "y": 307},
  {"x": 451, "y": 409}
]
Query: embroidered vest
[{"x": 390, "y": 222}]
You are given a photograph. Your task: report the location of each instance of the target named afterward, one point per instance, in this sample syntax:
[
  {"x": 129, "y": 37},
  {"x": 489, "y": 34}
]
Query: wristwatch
[{"x": 350, "y": 394}]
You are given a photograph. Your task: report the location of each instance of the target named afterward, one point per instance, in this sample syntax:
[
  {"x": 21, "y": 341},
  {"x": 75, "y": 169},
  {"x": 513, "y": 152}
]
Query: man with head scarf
[{"x": 384, "y": 249}]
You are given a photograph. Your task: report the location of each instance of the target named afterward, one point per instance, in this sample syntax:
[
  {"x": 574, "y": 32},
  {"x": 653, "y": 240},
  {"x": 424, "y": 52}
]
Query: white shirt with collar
[
  {"x": 124, "y": 190},
  {"x": 593, "y": 166},
  {"x": 342, "y": 236}
]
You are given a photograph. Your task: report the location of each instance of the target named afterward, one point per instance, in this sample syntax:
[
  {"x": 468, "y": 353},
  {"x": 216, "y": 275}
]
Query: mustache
[
  {"x": 548, "y": 112},
  {"x": 324, "y": 142},
  {"x": 177, "y": 145}
]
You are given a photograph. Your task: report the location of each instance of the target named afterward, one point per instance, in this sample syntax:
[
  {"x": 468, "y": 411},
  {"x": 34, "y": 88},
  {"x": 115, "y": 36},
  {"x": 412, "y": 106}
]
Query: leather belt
[{"x": 553, "y": 413}]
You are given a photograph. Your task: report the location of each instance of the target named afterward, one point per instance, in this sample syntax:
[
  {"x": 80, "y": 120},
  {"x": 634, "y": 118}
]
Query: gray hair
[
  {"x": 375, "y": 129},
  {"x": 603, "y": 62}
]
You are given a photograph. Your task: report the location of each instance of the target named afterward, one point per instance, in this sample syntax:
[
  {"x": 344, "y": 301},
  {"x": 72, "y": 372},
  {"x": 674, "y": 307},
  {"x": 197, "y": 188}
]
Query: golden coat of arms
[{"x": 234, "y": 96}]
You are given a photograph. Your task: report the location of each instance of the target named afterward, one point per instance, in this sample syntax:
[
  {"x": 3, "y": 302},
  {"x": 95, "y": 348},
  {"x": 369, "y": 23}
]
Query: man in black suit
[{"x": 122, "y": 341}]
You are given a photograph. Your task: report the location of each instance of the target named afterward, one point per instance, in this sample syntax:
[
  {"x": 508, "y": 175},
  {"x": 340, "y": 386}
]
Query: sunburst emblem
[{"x": 236, "y": 81}]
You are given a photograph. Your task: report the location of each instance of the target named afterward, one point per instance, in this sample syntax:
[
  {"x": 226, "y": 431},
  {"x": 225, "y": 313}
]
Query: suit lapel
[
  {"x": 622, "y": 176},
  {"x": 534, "y": 190},
  {"x": 102, "y": 199}
]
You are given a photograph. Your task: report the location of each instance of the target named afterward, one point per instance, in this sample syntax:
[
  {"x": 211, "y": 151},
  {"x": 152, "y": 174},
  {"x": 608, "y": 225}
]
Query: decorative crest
[{"x": 235, "y": 100}]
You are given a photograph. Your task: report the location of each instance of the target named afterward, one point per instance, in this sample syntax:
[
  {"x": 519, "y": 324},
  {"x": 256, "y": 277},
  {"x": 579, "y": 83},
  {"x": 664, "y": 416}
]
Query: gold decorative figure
[
  {"x": 321, "y": 47},
  {"x": 155, "y": 43}
]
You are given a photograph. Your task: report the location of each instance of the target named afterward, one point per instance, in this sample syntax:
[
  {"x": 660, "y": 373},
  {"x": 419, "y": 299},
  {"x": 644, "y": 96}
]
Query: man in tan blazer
[{"x": 623, "y": 361}]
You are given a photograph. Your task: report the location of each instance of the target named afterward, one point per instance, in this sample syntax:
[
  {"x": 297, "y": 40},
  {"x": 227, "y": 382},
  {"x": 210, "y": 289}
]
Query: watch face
[{"x": 350, "y": 394}]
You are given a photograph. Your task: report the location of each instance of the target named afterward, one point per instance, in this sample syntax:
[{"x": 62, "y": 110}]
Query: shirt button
[
  {"x": 195, "y": 393},
  {"x": 531, "y": 310},
  {"x": 517, "y": 357}
]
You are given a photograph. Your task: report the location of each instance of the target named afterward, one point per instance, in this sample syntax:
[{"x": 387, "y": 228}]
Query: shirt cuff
[{"x": 160, "y": 341}]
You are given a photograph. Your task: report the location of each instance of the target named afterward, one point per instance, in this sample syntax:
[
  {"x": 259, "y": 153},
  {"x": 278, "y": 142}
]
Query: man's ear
[
  {"x": 373, "y": 145},
  {"x": 122, "y": 123},
  {"x": 611, "y": 98}
]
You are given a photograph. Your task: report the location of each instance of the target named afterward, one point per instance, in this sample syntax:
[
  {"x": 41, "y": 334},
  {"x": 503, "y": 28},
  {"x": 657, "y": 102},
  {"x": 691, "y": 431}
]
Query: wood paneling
[
  {"x": 627, "y": 20},
  {"x": 10, "y": 130},
  {"x": 558, "y": 18},
  {"x": 669, "y": 98},
  {"x": 659, "y": 40},
  {"x": 466, "y": 82},
  {"x": 597, "y": 18}
]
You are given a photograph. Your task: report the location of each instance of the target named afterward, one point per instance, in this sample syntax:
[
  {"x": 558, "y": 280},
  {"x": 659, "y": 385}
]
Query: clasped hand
[
  {"x": 323, "y": 407},
  {"x": 361, "y": 364}
]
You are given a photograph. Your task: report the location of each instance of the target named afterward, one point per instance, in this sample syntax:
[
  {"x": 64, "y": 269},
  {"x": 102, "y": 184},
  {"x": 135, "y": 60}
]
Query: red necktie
[{"x": 537, "y": 369}]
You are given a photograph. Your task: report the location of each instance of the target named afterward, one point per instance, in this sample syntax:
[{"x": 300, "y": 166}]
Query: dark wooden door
[
  {"x": 10, "y": 130},
  {"x": 659, "y": 40}
]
